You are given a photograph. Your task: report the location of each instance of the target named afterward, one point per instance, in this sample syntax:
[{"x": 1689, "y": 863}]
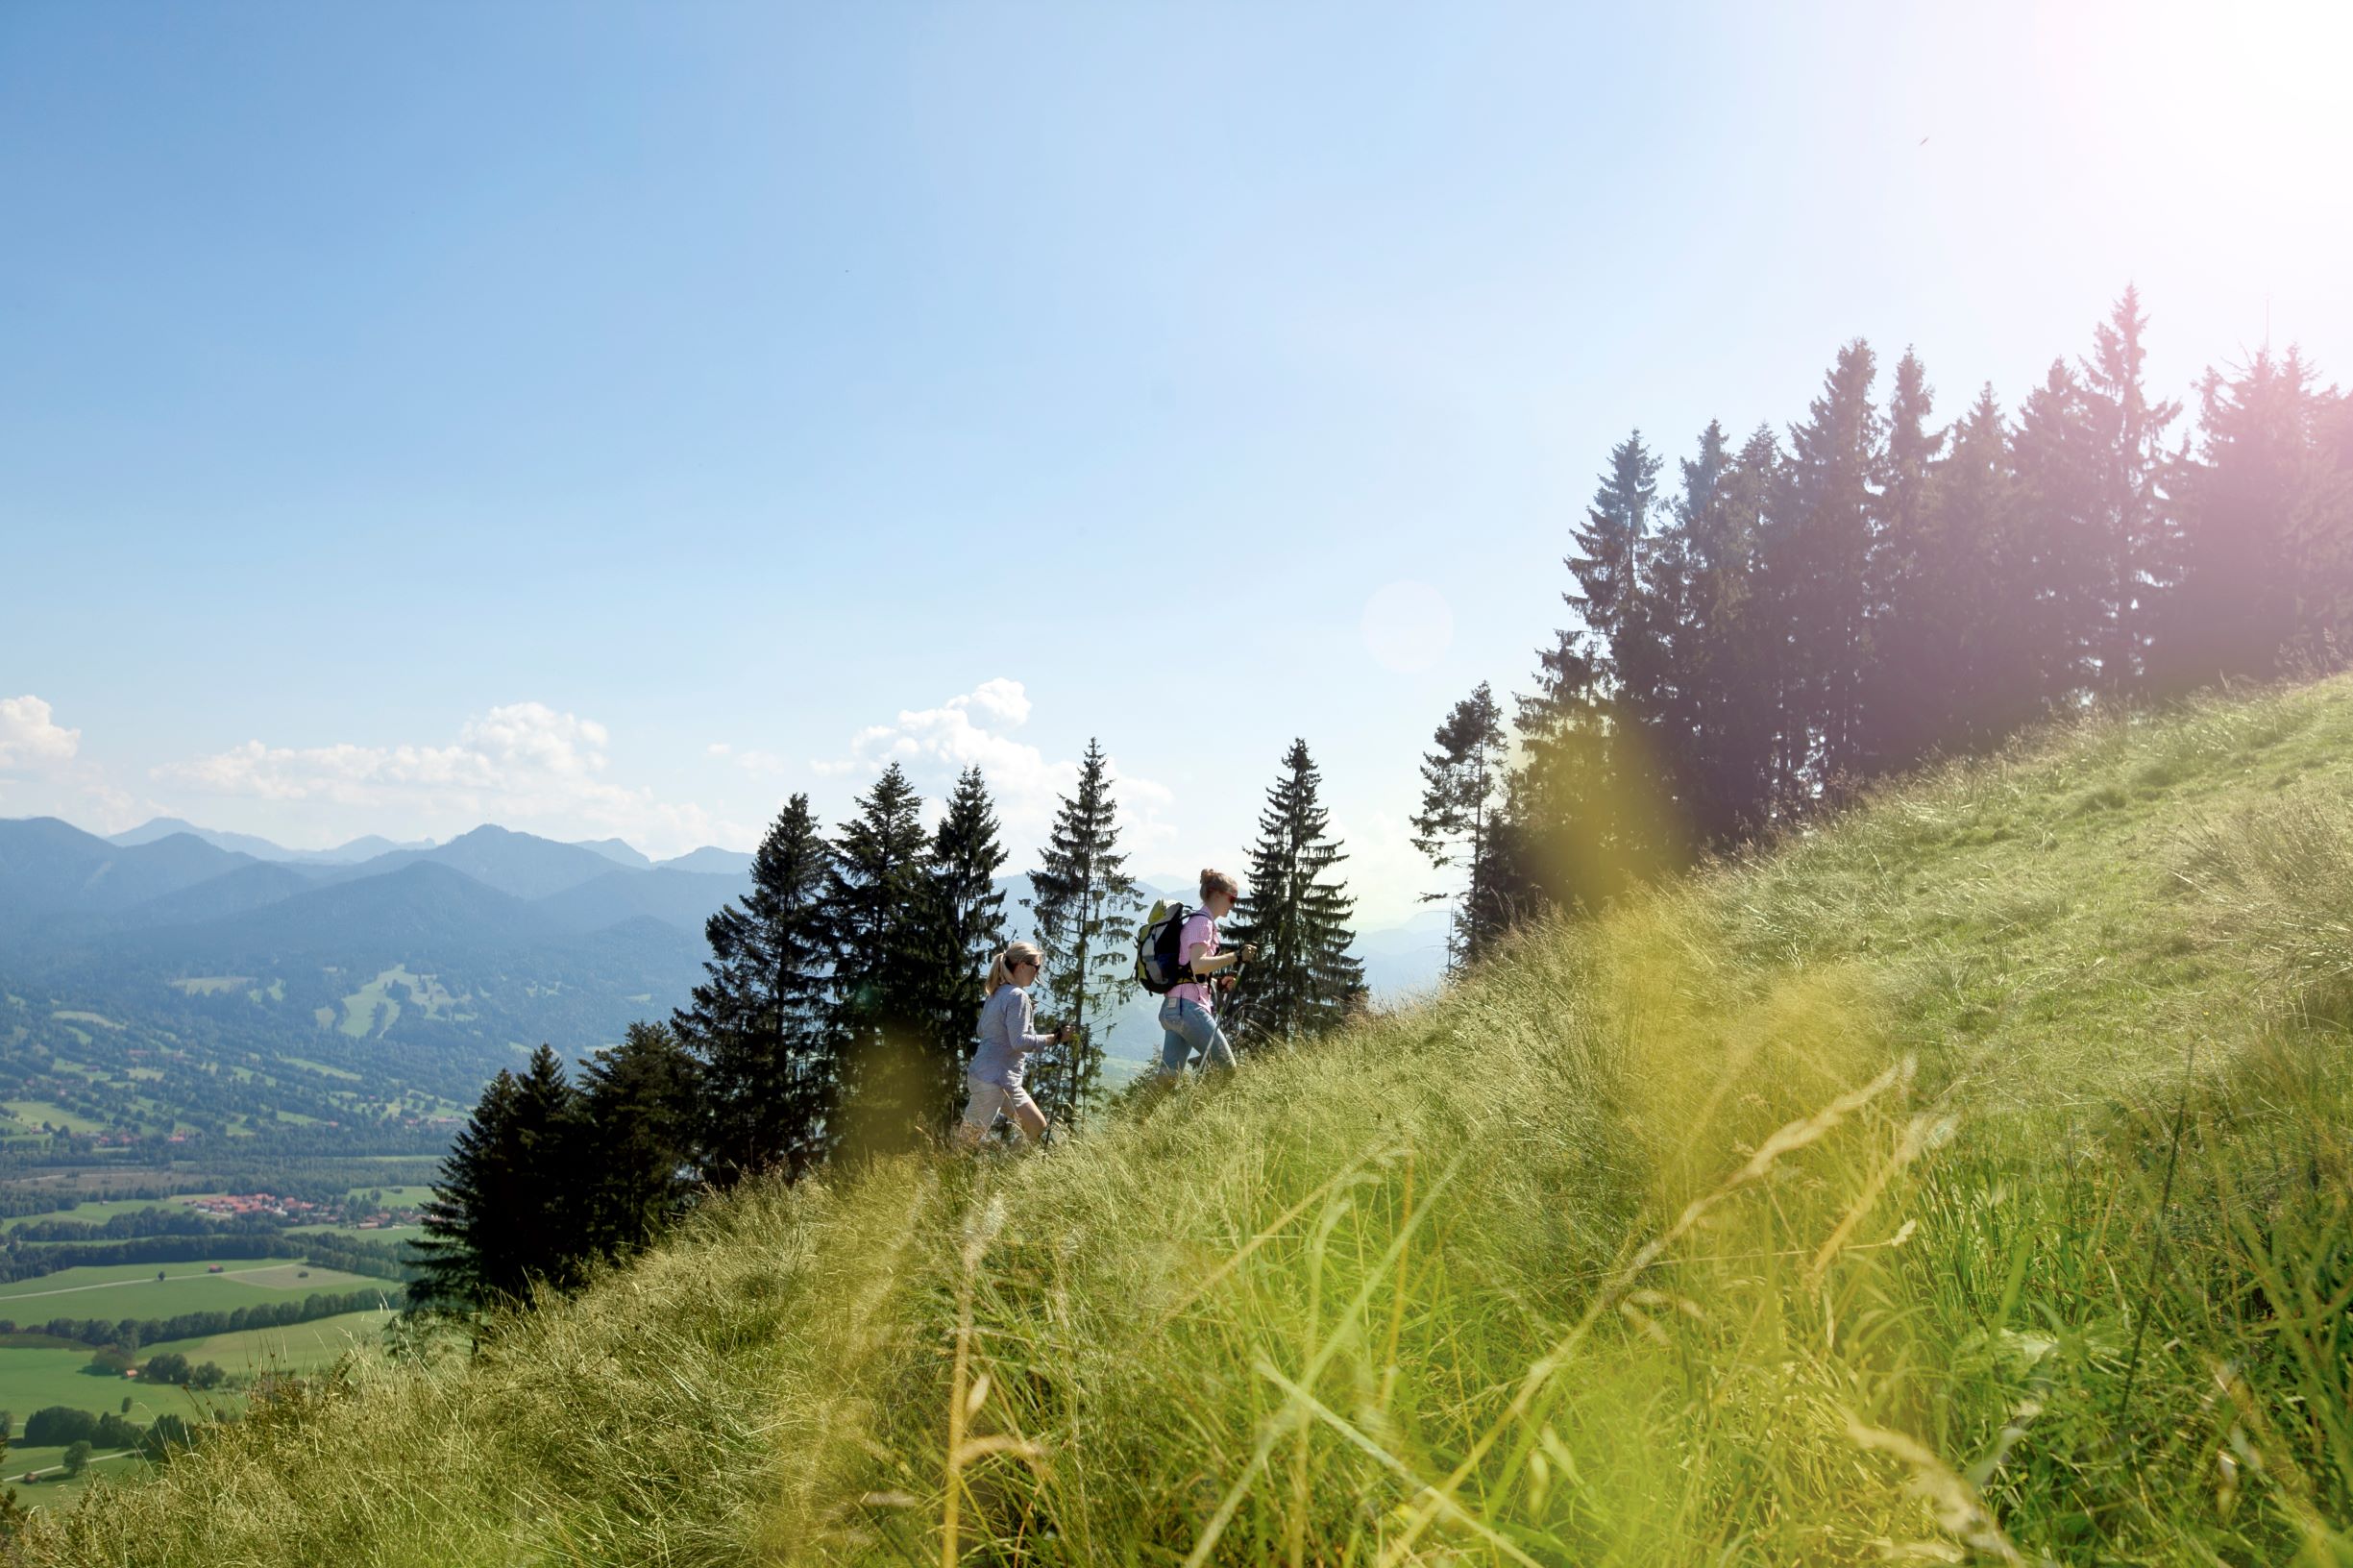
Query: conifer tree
[
  {"x": 2059, "y": 590},
  {"x": 1722, "y": 747},
  {"x": 1297, "y": 912},
  {"x": 1909, "y": 615},
  {"x": 2265, "y": 510},
  {"x": 2127, "y": 432},
  {"x": 1461, "y": 826},
  {"x": 766, "y": 1070},
  {"x": 1984, "y": 682},
  {"x": 1823, "y": 551},
  {"x": 1085, "y": 904},
  {"x": 970, "y": 919},
  {"x": 503, "y": 1215},
  {"x": 898, "y": 1079},
  {"x": 636, "y": 1140}
]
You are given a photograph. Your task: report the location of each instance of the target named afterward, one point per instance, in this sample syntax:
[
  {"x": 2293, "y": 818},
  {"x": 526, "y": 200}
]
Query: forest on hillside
[{"x": 1800, "y": 614}]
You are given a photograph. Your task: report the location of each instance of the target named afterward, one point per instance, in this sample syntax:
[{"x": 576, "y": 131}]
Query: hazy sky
[{"x": 609, "y": 420}]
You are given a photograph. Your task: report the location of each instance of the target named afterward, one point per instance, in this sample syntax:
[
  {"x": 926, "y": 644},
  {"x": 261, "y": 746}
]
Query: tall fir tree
[
  {"x": 1822, "y": 547},
  {"x": 2127, "y": 432},
  {"x": 2059, "y": 589},
  {"x": 1084, "y": 902},
  {"x": 636, "y": 1142},
  {"x": 2263, "y": 519},
  {"x": 1297, "y": 912},
  {"x": 1722, "y": 759},
  {"x": 767, "y": 1072},
  {"x": 968, "y": 924},
  {"x": 1909, "y": 616},
  {"x": 898, "y": 1077},
  {"x": 1461, "y": 826},
  {"x": 504, "y": 1210}
]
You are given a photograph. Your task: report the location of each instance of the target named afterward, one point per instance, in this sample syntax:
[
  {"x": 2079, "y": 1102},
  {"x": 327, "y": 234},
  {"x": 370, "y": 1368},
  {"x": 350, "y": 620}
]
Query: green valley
[{"x": 1961, "y": 1177}]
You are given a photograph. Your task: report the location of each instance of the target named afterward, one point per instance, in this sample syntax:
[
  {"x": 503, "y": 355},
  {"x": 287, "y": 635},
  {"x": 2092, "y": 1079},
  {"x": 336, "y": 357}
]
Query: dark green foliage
[
  {"x": 898, "y": 1079},
  {"x": 1296, "y": 910},
  {"x": 77, "y": 1458},
  {"x": 1460, "y": 826},
  {"x": 968, "y": 914},
  {"x": 167, "y": 1436},
  {"x": 504, "y": 1215},
  {"x": 58, "y": 1425},
  {"x": 757, "y": 1029},
  {"x": 2128, "y": 498},
  {"x": 1085, "y": 904},
  {"x": 1886, "y": 591},
  {"x": 12, "y": 1511},
  {"x": 634, "y": 1142},
  {"x": 2266, "y": 527},
  {"x": 168, "y": 1367}
]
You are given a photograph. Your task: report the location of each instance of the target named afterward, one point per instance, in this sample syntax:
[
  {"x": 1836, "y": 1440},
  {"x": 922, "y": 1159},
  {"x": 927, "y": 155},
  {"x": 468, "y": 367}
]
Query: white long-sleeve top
[{"x": 1005, "y": 1037}]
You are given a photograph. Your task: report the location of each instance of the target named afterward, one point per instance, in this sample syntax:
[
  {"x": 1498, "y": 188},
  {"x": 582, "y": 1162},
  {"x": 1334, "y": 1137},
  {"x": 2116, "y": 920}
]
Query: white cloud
[
  {"x": 934, "y": 745},
  {"x": 520, "y": 763},
  {"x": 766, "y": 764},
  {"x": 46, "y": 774},
  {"x": 30, "y": 740}
]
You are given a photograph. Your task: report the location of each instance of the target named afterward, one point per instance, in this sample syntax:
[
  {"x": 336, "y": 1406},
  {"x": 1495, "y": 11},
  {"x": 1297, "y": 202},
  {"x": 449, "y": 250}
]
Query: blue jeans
[{"x": 1188, "y": 1027}]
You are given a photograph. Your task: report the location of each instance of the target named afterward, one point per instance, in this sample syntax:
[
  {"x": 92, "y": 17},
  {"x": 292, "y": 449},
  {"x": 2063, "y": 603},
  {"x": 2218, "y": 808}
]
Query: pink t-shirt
[{"x": 1198, "y": 928}]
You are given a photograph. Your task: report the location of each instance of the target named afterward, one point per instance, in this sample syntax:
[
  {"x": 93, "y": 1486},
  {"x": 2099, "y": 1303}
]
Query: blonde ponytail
[{"x": 1000, "y": 969}]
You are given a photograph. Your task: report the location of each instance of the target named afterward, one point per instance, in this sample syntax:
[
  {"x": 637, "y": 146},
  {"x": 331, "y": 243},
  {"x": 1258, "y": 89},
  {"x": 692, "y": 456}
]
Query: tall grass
[{"x": 1815, "y": 1208}]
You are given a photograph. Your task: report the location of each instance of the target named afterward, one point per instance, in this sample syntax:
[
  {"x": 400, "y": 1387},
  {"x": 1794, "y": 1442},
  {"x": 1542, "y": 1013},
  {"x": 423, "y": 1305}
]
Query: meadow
[
  {"x": 1964, "y": 1179},
  {"x": 134, "y": 1289}
]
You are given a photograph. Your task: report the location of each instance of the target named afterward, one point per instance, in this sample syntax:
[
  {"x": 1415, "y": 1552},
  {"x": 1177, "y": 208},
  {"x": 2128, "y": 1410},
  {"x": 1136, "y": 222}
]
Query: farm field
[
  {"x": 302, "y": 1347},
  {"x": 133, "y": 1290},
  {"x": 93, "y": 1214},
  {"x": 57, "y": 1491}
]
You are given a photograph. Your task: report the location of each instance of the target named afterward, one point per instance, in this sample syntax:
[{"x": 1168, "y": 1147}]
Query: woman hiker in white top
[
  {"x": 994, "y": 1077},
  {"x": 1189, "y": 1015}
]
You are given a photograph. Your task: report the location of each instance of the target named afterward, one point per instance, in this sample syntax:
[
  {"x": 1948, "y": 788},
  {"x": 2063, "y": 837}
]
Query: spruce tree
[
  {"x": 2059, "y": 588},
  {"x": 969, "y": 914},
  {"x": 898, "y": 1079},
  {"x": 766, "y": 1071},
  {"x": 2265, "y": 506},
  {"x": 637, "y": 1141},
  {"x": 1297, "y": 912},
  {"x": 2127, "y": 432},
  {"x": 1824, "y": 552},
  {"x": 1722, "y": 753},
  {"x": 1983, "y": 576},
  {"x": 1906, "y": 592},
  {"x": 504, "y": 1213},
  {"x": 1461, "y": 826},
  {"x": 1084, "y": 902}
]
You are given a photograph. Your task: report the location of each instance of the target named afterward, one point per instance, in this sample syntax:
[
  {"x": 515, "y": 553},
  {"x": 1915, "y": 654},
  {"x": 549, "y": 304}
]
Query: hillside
[{"x": 1962, "y": 1182}]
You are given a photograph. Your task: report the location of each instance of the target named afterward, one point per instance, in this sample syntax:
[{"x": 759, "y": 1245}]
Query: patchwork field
[{"x": 136, "y": 1289}]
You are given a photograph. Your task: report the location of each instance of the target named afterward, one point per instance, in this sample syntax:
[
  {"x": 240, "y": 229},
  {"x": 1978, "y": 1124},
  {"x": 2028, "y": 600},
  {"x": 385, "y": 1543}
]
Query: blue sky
[{"x": 609, "y": 420}]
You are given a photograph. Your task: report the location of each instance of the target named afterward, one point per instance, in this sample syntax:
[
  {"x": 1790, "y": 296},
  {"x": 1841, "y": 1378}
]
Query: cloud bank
[{"x": 522, "y": 762}]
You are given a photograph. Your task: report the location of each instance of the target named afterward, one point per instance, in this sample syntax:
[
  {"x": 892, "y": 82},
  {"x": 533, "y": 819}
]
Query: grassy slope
[{"x": 1969, "y": 1177}]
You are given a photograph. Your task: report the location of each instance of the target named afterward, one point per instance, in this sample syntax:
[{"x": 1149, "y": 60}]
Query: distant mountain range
[{"x": 374, "y": 984}]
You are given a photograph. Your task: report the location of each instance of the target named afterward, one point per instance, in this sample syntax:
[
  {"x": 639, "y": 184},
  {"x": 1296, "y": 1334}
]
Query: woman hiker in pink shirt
[{"x": 1189, "y": 1015}]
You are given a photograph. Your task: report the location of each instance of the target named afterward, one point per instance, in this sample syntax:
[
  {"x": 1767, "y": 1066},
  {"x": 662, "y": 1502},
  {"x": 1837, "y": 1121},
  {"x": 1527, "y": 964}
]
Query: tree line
[
  {"x": 1802, "y": 612},
  {"x": 838, "y": 1014},
  {"x": 357, "y": 1257},
  {"x": 127, "y": 1334}
]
